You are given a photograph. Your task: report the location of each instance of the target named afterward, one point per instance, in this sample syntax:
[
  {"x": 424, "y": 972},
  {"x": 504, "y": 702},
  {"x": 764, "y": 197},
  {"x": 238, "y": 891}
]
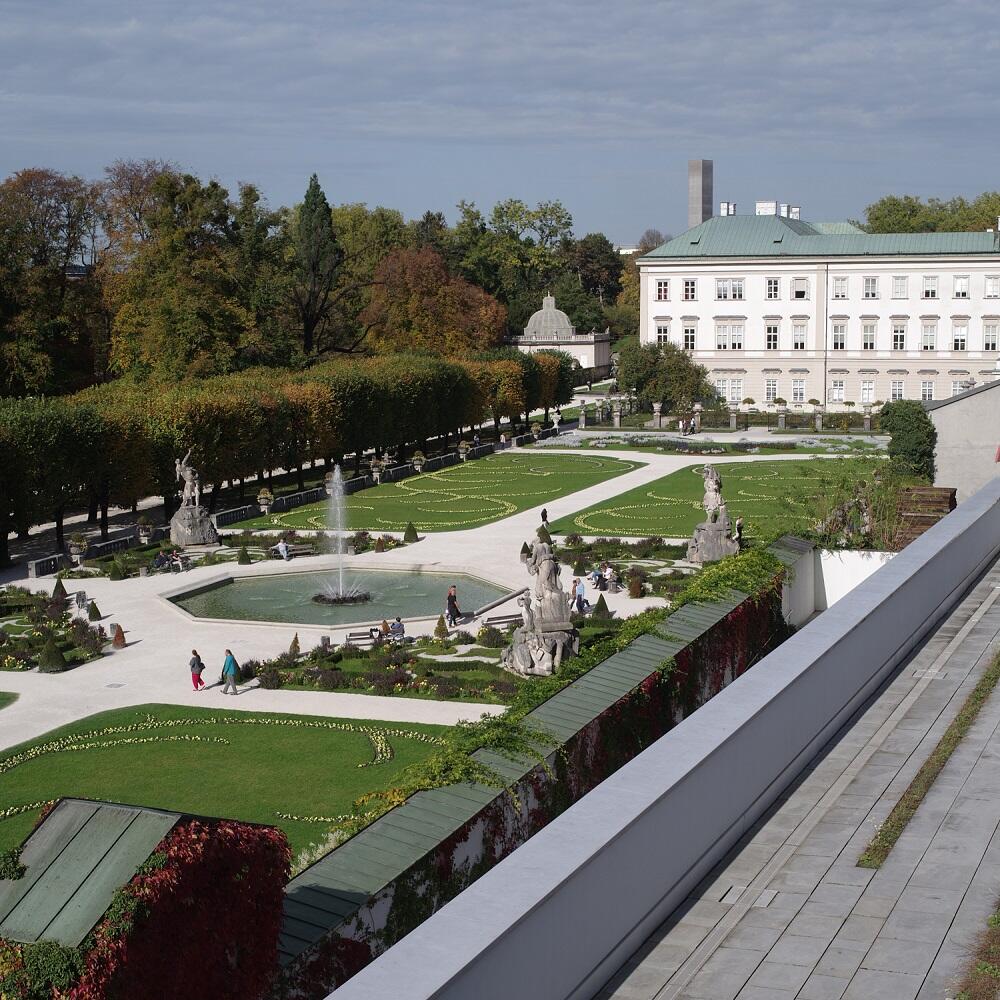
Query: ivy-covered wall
[{"x": 695, "y": 673}]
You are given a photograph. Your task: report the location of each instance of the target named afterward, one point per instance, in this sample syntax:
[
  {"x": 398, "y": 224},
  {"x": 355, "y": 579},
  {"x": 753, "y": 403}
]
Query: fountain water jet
[{"x": 336, "y": 592}]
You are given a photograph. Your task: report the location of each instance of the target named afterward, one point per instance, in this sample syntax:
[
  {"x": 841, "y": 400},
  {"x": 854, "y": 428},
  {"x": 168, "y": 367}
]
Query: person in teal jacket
[{"x": 230, "y": 673}]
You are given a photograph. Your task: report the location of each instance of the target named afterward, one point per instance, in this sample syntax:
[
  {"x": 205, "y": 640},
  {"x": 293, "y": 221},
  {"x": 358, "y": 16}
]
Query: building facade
[
  {"x": 780, "y": 309},
  {"x": 550, "y": 329}
]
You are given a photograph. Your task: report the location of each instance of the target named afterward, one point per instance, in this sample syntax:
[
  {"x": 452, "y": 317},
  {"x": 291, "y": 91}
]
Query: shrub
[
  {"x": 361, "y": 541},
  {"x": 441, "y": 630},
  {"x": 115, "y": 571},
  {"x": 94, "y": 612},
  {"x": 573, "y": 539},
  {"x": 59, "y": 591},
  {"x": 445, "y": 687},
  {"x": 504, "y": 689},
  {"x": 912, "y": 435},
  {"x": 48, "y": 964},
  {"x": 243, "y": 557},
  {"x": 379, "y": 544},
  {"x": 463, "y": 638},
  {"x": 579, "y": 568},
  {"x": 635, "y": 586},
  {"x": 332, "y": 679},
  {"x": 51, "y": 659},
  {"x": 294, "y": 649},
  {"x": 410, "y": 535},
  {"x": 249, "y": 669},
  {"x": 491, "y": 638},
  {"x": 601, "y": 611},
  {"x": 349, "y": 652},
  {"x": 269, "y": 677}
]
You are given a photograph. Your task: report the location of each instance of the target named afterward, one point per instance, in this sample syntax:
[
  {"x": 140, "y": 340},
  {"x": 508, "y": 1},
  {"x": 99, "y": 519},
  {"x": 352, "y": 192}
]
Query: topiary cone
[
  {"x": 118, "y": 639},
  {"x": 243, "y": 557},
  {"x": 601, "y": 609},
  {"x": 94, "y": 612},
  {"x": 59, "y": 591},
  {"x": 51, "y": 659},
  {"x": 441, "y": 630},
  {"x": 410, "y": 535},
  {"x": 294, "y": 647}
]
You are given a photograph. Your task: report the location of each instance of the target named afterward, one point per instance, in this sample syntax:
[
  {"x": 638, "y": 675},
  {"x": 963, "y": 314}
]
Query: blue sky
[{"x": 600, "y": 104}]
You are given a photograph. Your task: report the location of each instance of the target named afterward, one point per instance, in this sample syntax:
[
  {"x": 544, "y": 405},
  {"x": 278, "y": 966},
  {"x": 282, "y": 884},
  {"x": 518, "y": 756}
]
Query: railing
[{"x": 47, "y": 565}]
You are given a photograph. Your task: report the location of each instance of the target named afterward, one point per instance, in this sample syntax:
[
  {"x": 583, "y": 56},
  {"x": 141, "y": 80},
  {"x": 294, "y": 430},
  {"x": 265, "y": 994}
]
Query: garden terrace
[
  {"x": 621, "y": 696},
  {"x": 461, "y": 496},
  {"x": 770, "y": 496},
  {"x": 191, "y": 759}
]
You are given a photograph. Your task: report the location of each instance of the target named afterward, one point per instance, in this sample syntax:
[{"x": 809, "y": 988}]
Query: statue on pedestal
[
  {"x": 713, "y": 538},
  {"x": 191, "y": 525},
  {"x": 547, "y": 633}
]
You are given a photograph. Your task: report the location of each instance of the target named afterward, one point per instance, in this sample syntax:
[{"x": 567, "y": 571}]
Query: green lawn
[
  {"x": 770, "y": 496},
  {"x": 6, "y": 698},
  {"x": 462, "y": 496},
  {"x": 255, "y": 767}
]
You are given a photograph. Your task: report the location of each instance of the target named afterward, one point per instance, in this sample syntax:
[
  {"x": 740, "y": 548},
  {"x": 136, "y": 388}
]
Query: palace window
[
  {"x": 959, "y": 337},
  {"x": 993, "y": 286},
  {"x": 896, "y": 390},
  {"x": 991, "y": 334},
  {"x": 899, "y": 283},
  {"x": 961, "y": 286},
  {"x": 839, "y": 336},
  {"x": 928, "y": 336},
  {"x": 840, "y": 287},
  {"x": 663, "y": 290},
  {"x": 800, "y": 288},
  {"x": 837, "y": 391},
  {"x": 689, "y": 338},
  {"x": 927, "y": 391},
  {"x": 930, "y": 287},
  {"x": 798, "y": 390},
  {"x": 868, "y": 336},
  {"x": 771, "y": 336},
  {"x": 774, "y": 288},
  {"x": 799, "y": 337},
  {"x": 690, "y": 289},
  {"x": 770, "y": 390},
  {"x": 662, "y": 333},
  {"x": 871, "y": 288},
  {"x": 899, "y": 336},
  {"x": 868, "y": 391},
  {"x": 729, "y": 288}
]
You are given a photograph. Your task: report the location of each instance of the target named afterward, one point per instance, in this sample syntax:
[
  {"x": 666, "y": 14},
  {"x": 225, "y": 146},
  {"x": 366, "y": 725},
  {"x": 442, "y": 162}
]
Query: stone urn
[
  {"x": 77, "y": 547},
  {"x": 463, "y": 449},
  {"x": 418, "y": 461},
  {"x": 145, "y": 530},
  {"x": 265, "y": 498}
]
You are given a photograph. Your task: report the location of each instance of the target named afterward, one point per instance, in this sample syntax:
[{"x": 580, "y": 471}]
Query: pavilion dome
[{"x": 549, "y": 321}]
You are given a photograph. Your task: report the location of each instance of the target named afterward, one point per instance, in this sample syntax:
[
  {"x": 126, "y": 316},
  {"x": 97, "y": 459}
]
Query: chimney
[{"x": 699, "y": 192}]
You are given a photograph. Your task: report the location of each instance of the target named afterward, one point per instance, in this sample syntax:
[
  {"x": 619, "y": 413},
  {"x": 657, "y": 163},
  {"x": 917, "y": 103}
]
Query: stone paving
[{"x": 789, "y": 915}]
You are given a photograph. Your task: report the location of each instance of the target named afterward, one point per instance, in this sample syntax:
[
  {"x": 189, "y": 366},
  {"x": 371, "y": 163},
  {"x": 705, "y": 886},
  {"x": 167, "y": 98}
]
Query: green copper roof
[
  {"x": 74, "y": 862},
  {"x": 775, "y": 236}
]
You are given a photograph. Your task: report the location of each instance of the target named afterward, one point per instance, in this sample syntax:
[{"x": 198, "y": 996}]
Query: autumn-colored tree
[{"x": 416, "y": 304}]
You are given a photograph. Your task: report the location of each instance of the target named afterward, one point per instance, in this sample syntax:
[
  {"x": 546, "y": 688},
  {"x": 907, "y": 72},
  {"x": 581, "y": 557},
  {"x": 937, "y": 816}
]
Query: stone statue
[
  {"x": 191, "y": 495},
  {"x": 191, "y": 525},
  {"x": 712, "y": 539},
  {"x": 538, "y": 646}
]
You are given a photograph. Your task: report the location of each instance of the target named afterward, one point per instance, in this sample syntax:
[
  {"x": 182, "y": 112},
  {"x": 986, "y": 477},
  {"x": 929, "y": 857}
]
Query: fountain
[{"x": 336, "y": 592}]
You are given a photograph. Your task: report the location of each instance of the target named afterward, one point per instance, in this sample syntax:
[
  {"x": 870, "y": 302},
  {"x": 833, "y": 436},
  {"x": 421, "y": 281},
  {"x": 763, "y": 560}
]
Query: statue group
[
  {"x": 714, "y": 538},
  {"x": 546, "y": 634},
  {"x": 191, "y": 525}
]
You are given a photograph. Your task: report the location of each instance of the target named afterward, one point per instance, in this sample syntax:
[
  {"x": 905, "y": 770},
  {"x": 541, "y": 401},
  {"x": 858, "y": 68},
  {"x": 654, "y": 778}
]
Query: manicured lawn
[
  {"x": 461, "y": 496},
  {"x": 770, "y": 496},
  {"x": 6, "y": 698},
  {"x": 254, "y": 767}
]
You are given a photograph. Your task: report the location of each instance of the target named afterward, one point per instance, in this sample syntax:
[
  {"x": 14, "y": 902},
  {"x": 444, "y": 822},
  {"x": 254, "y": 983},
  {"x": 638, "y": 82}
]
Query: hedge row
[{"x": 116, "y": 443}]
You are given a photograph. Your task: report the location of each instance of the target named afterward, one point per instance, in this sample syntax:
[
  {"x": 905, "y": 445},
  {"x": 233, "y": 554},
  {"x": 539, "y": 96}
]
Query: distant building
[
  {"x": 968, "y": 438},
  {"x": 779, "y": 308},
  {"x": 550, "y": 329}
]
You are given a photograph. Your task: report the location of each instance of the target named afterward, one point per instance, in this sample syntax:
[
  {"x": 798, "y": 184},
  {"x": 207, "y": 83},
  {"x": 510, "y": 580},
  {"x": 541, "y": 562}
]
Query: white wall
[
  {"x": 838, "y": 573},
  {"x": 560, "y": 915}
]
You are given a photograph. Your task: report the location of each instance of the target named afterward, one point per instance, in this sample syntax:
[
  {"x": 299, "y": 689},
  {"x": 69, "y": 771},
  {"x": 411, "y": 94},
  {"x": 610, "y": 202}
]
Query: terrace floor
[{"x": 789, "y": 915}]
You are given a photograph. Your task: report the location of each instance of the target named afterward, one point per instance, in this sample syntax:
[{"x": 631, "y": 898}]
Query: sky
[{"x": 599, "y": 103}]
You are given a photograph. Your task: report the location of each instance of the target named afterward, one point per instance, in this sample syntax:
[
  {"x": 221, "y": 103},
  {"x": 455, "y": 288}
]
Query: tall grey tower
[{"x": 699, "y": 191}]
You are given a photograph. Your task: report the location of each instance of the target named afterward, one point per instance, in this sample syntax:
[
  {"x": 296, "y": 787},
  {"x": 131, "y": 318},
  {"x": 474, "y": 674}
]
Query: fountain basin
[{"x": 288, "y": 597}]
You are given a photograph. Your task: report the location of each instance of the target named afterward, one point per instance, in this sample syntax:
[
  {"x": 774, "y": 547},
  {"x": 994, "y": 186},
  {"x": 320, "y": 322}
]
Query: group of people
[
  {"x": 578, "y": 596},
  {"x": 686, "y": 427},
  {"x": 168, "y": 560},
  {"x": 604, "y": 577},
  {"x": 230, "y": 672},
  {"x": 394, "y": 631}
]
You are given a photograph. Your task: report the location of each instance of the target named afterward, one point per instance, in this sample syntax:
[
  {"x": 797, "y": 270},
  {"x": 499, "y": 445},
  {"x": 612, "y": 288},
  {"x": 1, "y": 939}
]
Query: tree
[
  {"x": 663, "y": 374},
  {"x": 650, "y": 240},
  {"x": 415, "y": 304},
  {"x": 910, "y": 214},
  {"x": 912, "y": 434},
  {"x": 318, "y": 257},
  {"x": 597, "y": 265}
]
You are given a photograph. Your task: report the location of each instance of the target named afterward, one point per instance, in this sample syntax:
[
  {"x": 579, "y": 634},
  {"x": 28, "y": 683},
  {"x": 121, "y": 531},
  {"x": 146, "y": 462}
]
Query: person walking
[
  {"x": 581, "y": 596},
  {"x": 738, "y": 532},
  {"x": 453, "y": 611},
  {"x": 230, "y": 673},
  {"x": 197, "y": 668},
  {"x": 545, "y": 518}
]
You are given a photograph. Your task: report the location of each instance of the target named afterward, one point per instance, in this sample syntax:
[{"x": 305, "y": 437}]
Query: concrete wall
[
  {"x": 563, "y": 912},
  {"x": 968, "y": 444},
  {"x": 838, "y": 573}
]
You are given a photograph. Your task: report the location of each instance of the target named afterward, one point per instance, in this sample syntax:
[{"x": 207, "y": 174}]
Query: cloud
[{"x": 581, "y": 80}]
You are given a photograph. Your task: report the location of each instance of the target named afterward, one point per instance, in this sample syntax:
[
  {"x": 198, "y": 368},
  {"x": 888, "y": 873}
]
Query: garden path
[{"x": 153, "y": 667}]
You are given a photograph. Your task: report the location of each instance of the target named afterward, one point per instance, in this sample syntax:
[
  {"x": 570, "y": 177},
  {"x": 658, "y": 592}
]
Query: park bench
[
  {"x": 360, "y": 639},
  {"x": 294, "y": 549},
  {"x": 503, "y": 621}
]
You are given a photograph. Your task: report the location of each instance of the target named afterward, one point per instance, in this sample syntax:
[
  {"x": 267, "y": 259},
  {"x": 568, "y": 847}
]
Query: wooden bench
[
  {"x": 502, "y": 621},
  {"x": 360, "y": 639},
  {"x": 295, "y": 549}
]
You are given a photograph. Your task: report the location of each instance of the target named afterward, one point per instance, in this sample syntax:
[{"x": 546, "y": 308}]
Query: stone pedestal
[
  {"x": 583, "y": 416},
  {"x": 819, "y": 420},
  {"x": 732, "y": 421},
  {"x": 781, "y": 420},
  {"x": 697, "y": 416},
  {"x": 868, "y": 419},
  {"x": 616, "y": 415},
  {"x": 657, "y": 417},
  {"x": 711, "y": 541},
  {"x": 192, "y": 526}
]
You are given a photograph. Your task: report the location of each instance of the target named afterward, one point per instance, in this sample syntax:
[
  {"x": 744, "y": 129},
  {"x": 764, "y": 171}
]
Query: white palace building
[{"x": 778, "y": 308}]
